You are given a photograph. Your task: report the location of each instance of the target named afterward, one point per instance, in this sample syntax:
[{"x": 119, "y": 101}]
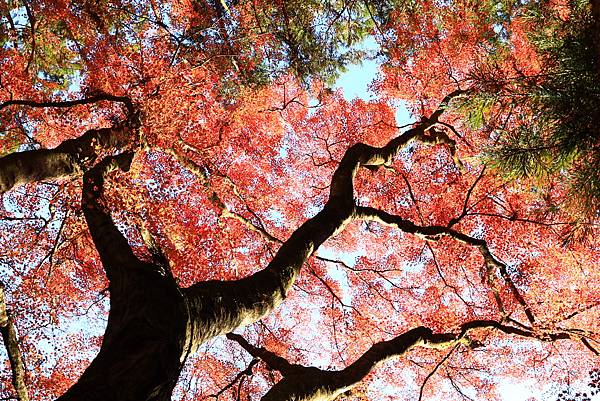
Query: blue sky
[{"x": 356, "y": 81}]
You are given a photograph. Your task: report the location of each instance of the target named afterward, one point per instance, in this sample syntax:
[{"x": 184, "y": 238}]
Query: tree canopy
[{"x": 192, "y": 210}]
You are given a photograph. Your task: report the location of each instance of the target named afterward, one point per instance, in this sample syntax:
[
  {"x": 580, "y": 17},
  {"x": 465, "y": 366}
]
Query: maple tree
[
  {"x": 191, "y": 212},
  {"x": 532, "y": 71}
]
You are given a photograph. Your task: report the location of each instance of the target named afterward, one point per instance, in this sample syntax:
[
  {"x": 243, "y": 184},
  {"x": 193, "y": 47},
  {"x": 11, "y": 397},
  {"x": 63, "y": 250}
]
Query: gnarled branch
[
  {"x": 71, "y": 156},
  {"x": 302, "y": 383}
]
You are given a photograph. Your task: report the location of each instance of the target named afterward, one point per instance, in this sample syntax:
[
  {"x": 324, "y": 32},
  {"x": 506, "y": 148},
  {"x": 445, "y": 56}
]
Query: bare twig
[
  {"x": 440, "y": 363},
  {"x": 239, "y": 377}
]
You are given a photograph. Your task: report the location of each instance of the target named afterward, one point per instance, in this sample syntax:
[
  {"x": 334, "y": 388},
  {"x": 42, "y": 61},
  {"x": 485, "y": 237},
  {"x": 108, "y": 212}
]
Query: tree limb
[
  {"x": 218, "y": 307},
  {"x": 115, "y": 252},
  {"x": 70, "y": 103},
  {"x": 72, "y": 155},
  {"x": 304, "y": 383},
  {"x": 11, "y": 342},
  {"x": 272, "y": 360},
  {"x": 68, "y": 158},
  {"x": 434, "y": 233}
]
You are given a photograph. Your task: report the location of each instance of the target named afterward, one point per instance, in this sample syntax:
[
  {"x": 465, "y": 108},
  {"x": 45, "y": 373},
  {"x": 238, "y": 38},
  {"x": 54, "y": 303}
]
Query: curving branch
[
  {"x": 307, "y": 383},
  {"x": 218, "y": 307},
  {"x": 302, "y": 383},
  {"x": 68, "y": 158},
  {"x": 73, "y": 155},
  {"x": 272, "y": 360},
  {"x": 113, "y": 248},
  {"x": 434, "y": 233}
]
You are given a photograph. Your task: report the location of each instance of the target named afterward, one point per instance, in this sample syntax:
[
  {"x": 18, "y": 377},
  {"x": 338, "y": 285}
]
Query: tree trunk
[{"x": 144, "y": 345}]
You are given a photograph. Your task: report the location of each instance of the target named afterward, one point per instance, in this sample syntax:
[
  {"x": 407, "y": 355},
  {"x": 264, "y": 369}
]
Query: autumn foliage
[{"x": 238, "y": 129}]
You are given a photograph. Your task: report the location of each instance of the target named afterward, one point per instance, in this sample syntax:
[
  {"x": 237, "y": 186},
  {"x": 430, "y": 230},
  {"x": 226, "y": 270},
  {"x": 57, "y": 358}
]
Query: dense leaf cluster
[{"x": 556, "y": 134}]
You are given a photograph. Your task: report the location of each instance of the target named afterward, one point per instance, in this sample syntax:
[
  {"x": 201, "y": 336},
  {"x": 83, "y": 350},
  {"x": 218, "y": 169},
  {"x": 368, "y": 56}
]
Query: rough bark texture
[
  {"x": 70, "y": 157},
  {"x": 11, "y": 342},
  {"x": 153, "y": 325},
  {"x": 141, "y": 353},
  {"x": 302, "y": 383}
]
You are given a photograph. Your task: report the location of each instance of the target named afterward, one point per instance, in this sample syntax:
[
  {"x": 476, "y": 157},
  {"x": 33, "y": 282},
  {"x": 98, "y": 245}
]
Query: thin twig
[{"x": 434, "y": 370}]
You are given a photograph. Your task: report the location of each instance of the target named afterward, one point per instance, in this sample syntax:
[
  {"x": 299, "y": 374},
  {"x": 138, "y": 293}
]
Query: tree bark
[
  {"x": 307, "y": 383},
  {"x": 153, "y": 325},
  {"x": 145, "y": 340},
  {"x": 69, "y": 158},
  {"x": 11, "y": 342}
]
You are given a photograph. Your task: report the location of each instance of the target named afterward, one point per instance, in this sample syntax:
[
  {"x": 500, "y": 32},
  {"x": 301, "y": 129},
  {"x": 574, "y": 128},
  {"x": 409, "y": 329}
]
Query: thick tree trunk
[
  {"x": 153, "y": 326},
  {"x": 144, "y": 345}
]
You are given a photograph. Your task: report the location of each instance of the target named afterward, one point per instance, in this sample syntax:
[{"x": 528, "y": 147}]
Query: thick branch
[
  {"x": 114, "y": 250},
  {"x": 218, "y": 307},
  {"x": 72, "y": 155},
  {"x": 303, "y": 383},
  {"x": 68, "y": 158},
  {"x": 11, "y": 342},
  {"x": 311, "y": 384},
  {"x": 70, "y": 103}
]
